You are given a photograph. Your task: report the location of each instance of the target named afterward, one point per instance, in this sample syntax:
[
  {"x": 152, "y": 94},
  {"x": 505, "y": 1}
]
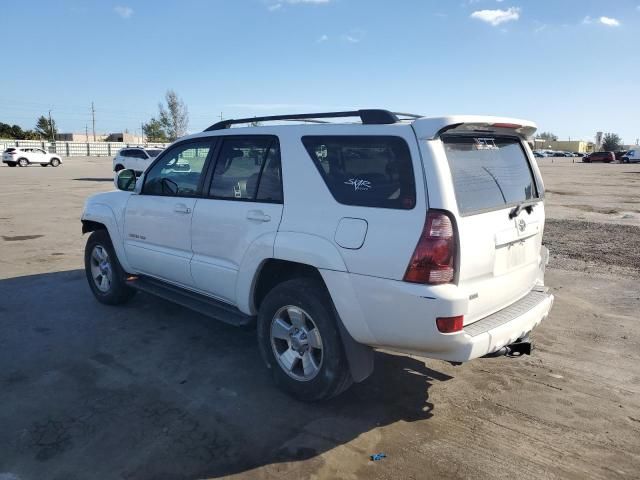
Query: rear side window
[
  {"x": 366, "y": 171},
  {"x": 488, "y": 172},
  {"x": 248, "y": 168}
]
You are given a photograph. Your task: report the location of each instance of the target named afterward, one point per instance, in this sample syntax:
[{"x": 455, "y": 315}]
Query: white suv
[
  {"x": 137, "y": 159},
  {"x": 420, "y": 235},
  {"x": 25, "y": 156}
]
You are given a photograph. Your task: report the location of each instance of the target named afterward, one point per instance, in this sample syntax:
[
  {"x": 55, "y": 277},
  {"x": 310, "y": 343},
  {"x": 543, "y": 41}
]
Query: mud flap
[{"x": 359, "y": 356}]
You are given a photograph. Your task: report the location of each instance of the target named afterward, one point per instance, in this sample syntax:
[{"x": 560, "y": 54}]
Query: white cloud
[
  {"x": 354, "y": 36},
  {"x": 274, "y": 7},
  {"x": 124, "y": 12},
  {"x": 609, "y": 22},
  {"x": 497, "y": 17},
  {"x": 317, "y": 2},
  {"x": 322, "y": 38}
]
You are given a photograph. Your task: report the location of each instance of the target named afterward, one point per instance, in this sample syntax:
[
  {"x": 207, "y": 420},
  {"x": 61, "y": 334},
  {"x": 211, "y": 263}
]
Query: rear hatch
[{"x": 500, "y": 217}]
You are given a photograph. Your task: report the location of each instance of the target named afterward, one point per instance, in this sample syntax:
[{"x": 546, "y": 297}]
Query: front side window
[
  {"x": 368, "y": 171},
  {"x": 248, "y": 168},
  {"x": 489, "y": 172},
  {"x": 178, "y": 171}
]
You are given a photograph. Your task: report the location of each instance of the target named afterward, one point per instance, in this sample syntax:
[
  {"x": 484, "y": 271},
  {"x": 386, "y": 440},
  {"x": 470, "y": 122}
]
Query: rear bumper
[
  {"x": 503, "y": 328},
  {"x": 402, "y": 316}
]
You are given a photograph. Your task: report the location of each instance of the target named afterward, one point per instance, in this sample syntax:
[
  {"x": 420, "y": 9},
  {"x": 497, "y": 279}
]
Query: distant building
[
  {"x": 564, "y": 145},
  {"x": 112, "y": 137},
  {"x": 125, "y": 137},
  {"x": 79, "y": 137}
]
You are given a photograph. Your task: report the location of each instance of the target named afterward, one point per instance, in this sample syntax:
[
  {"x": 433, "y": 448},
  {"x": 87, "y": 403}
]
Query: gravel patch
[{"x": 593, "y": 247}]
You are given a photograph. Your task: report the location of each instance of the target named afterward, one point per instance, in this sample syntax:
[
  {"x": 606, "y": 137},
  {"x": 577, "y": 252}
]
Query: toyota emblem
[{"x": 522, "y": 225}]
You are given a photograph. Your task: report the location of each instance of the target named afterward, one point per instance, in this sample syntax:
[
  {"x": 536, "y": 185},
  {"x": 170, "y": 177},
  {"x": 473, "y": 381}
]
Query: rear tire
[
  {"x": 23, "y": 162},
  {"x": 44, "y": 164},
  {"x": 54, "y": 162},
  {"x": 118, "y": 168},
  {"x": 105, "y": 275},
  {"x": 11, "y": 164},
  {"x": 300, "y": 342}
]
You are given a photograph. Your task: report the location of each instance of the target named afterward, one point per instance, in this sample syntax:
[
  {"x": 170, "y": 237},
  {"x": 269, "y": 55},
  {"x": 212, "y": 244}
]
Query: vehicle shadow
[
  {"x": 94, "y": 179},
  {"x": 152, "y": 390}
]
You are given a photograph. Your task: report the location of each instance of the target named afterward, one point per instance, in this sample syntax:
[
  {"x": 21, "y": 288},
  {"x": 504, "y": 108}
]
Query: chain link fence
[{"x": 76, "y": 149}]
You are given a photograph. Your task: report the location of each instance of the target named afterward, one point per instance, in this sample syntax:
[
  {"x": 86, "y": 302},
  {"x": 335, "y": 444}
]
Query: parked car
[
  {"x": 620, "y": 154},
  {"x": 25, "y": 156},
  {"x": 606, "y": 157},
  {"x": 538, "y": 155},
  {"x": 578, "y": 154},
  {"x": 632, "y": 156},
  {"x": 337, "y": 238},
  {"x": 135, "y": 158}
]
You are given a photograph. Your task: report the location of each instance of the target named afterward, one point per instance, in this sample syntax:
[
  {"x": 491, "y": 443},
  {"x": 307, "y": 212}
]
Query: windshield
[
  {"x": 153, "y": 152},
  {"x": 489, "y": 172}
]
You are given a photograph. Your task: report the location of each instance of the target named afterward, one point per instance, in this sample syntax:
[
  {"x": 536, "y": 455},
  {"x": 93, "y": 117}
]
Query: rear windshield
[
  {"x": 488, "y": 172},
  {"x": 365, "y": 170},
  {"x": 10, "y": 150}
]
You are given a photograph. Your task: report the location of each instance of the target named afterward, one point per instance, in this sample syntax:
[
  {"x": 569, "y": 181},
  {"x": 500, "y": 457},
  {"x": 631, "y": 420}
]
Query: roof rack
[{"x": 368, "y": 117}]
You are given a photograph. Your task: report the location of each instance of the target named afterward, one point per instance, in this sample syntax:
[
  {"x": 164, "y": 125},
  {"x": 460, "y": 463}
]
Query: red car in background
[{"x": 606, "y": 157}]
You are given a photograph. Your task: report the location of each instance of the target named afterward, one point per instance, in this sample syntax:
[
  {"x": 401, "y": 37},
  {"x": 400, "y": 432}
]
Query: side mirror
[{"x": 126, "y": 180}]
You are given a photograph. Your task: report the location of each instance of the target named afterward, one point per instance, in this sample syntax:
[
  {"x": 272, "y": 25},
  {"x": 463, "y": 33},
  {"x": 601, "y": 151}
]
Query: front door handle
[
  {"x": 258, "y": 216},
  {"x": 181, "y": 208}
]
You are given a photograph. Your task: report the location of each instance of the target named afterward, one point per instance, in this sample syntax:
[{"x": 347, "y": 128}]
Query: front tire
[
  {"x": 300, "y": 342},
  {"x": 23, "y": 162},
  {"x": 105, "y": 275},
  {"x": 54, "y": 162}
]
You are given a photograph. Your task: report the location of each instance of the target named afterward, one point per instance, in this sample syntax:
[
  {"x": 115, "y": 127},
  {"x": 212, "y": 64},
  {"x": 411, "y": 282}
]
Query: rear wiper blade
[{"x": 515, "y": 211}]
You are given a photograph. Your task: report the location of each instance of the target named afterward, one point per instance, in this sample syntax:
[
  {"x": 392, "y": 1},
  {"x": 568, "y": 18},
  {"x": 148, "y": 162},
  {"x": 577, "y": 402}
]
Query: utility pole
[
  {"x": 220, "y": 116},
  {"x": 51, "y": 127},
  {"x": 86, "y": 132},
  {"x": 142, "y": 131},
  {"x": 93, "y": 120}
]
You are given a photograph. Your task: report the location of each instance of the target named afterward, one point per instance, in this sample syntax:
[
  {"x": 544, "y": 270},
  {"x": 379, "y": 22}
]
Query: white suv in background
[
  {"x": 135, "y": 158},
  {"x": 420, "y": 235},
  {"x": 25, "y": 156}
]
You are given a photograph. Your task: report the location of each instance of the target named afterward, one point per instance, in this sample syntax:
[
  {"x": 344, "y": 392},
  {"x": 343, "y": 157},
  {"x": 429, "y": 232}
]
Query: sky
[{"x": 572, "y": 66}]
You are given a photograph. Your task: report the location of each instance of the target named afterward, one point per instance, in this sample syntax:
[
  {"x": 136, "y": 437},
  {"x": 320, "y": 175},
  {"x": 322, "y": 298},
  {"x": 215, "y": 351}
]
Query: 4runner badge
[{"x": 522, "y": 225}]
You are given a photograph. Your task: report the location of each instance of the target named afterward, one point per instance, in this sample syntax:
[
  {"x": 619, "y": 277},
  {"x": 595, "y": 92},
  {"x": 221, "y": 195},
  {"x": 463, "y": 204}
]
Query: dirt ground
[{"x": 151, "y": 390}]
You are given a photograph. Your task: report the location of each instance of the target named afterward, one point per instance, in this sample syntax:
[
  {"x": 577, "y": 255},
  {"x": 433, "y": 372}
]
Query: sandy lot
[{"x": 152, "y": 390}]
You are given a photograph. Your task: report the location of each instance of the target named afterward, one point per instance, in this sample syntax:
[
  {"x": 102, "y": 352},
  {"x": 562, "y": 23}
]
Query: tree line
[
  {"x": 171, "y": 123},
  {"x": 45, "y": 129}
]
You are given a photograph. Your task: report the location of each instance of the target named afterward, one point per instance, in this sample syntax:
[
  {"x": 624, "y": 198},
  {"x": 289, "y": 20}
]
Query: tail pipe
[{"x": 520, "y": 347}]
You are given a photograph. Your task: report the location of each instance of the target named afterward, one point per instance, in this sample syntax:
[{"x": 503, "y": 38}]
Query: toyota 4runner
[{"x": 419, "y": 235}]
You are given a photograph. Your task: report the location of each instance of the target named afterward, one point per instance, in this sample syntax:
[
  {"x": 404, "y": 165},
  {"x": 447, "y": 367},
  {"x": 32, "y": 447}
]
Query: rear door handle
[
  {"x": 258, "y": 216},
  {"x": 181, "y": 208}
]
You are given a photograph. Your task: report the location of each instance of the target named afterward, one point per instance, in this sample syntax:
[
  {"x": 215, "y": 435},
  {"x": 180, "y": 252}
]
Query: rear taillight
[
  {"x": 450, "y": 324},
  {"x": 433, "y": 260}
]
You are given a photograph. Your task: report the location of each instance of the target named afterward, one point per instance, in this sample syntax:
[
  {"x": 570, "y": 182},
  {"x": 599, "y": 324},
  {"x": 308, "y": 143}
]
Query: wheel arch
[
  {"x": 98, "y": 216},
  {"x": 274, "y": 271}
]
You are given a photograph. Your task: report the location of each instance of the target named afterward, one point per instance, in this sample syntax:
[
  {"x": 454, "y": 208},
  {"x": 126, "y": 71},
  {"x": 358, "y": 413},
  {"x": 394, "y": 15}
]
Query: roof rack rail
[{"x": 368, "y": 117}]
